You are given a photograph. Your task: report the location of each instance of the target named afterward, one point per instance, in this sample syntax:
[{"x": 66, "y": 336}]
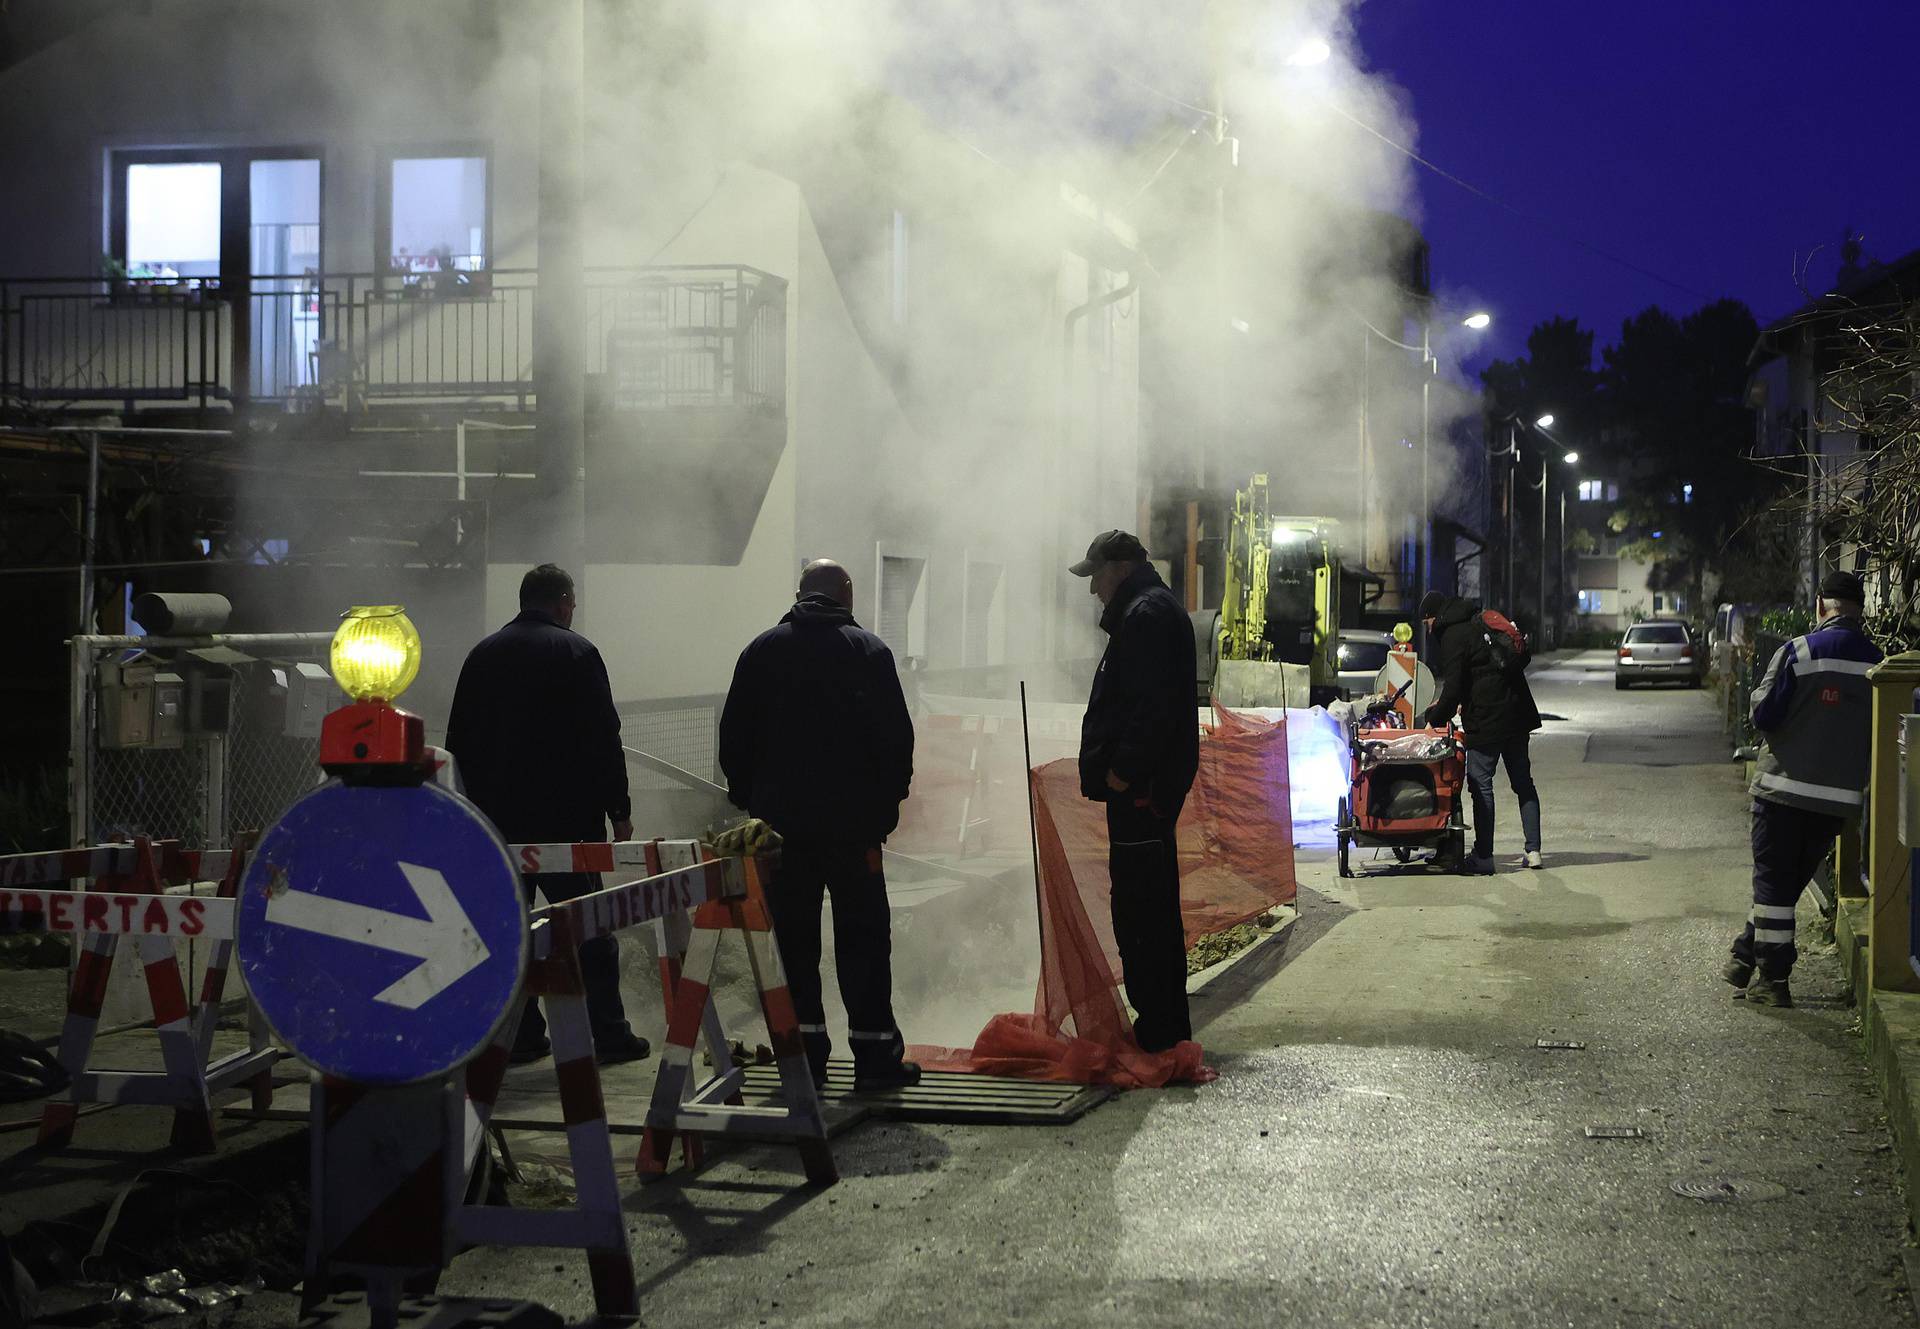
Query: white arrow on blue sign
[{"x": 382, "y": 931}]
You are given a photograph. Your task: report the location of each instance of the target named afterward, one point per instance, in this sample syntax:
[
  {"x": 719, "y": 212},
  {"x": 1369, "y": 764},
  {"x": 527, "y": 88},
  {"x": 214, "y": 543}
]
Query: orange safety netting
[{"x": 1236, "y": 861}]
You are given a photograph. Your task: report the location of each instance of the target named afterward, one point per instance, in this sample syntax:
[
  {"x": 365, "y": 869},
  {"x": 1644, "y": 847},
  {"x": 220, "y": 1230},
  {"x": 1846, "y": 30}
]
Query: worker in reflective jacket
[{"x": 1814, "y": 707}]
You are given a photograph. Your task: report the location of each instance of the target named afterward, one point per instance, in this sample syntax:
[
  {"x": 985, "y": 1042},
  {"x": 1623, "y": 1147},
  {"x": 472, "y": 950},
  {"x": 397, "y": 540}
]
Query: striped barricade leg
[
  {"x": 595, "y": 1224},
  {"x": 134, "y": 871},
  {"x": 84, "y": 1001},
  {"x": 255, "y": 1065},
  {"x": 186, "y": 1075},
  {"x": 678, "y": 1107}
]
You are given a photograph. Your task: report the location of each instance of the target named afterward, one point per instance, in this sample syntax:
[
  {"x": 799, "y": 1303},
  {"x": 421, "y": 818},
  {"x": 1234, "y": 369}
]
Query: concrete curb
[
  {"x": 1890, "y": 1034},
  {"x": 1201, "y": 981}
]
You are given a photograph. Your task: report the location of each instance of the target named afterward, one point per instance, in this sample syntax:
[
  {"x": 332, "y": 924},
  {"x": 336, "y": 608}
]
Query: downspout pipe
[{"x": 1072, "y": 320}]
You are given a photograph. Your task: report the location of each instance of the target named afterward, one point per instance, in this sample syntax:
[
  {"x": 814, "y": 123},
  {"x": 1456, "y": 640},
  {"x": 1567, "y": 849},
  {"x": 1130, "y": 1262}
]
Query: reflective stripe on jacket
[{"x": 1815, "y": 708}]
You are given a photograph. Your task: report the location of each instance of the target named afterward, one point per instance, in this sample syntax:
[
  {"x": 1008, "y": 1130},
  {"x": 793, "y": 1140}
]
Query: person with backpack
[{"x": 1479, "y": 659}]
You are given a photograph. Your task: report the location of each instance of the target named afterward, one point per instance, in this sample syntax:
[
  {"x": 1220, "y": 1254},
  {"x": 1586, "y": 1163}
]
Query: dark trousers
[
  {"x": 1519, "y": 765},
  {"x": 1145, "y": 868},
  {"x": 599, "y": 967},
  {"x": 1789, "y": 844},
  {"x": 862, "y": 946}
]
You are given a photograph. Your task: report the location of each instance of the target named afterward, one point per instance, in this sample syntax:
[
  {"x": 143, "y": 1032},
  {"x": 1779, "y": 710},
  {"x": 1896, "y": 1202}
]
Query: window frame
[
  {"x": 236, "y": 192},
  {"x": 383, "y": 198}
]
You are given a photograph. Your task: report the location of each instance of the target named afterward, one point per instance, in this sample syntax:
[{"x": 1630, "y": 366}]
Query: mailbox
[{"x": 141, "y": 706}]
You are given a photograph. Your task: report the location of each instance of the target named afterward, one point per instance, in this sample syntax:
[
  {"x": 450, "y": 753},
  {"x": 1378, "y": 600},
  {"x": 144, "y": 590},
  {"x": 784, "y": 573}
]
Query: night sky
[{"x": 1706, "y": 142}]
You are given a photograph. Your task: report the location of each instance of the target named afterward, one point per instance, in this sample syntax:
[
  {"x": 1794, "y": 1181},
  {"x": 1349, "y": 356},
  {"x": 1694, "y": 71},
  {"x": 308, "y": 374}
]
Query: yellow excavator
[{"x": 1281, "y": 596}]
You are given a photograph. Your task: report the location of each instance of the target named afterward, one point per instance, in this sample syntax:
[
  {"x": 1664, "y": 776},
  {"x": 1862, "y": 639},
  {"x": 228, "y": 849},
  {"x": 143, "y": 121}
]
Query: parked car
[
  {"x": 1361, "y": 655},
  {"x": 1661, "y": 649}
]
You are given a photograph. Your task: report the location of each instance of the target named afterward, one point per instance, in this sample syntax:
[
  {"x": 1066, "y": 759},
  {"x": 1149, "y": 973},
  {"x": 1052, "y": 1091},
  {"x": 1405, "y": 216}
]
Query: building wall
[
  {"x": 355, "y": 80},
  {"x": 1030, "y": 449}
]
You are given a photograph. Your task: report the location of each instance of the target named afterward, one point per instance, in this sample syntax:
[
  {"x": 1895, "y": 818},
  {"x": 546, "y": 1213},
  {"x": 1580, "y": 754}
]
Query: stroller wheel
[{"x": 1346, "y": 868}]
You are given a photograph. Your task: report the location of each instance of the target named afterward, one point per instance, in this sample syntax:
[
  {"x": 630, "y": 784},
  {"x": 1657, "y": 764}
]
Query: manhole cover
[{"x": 1727, "y": 1190}]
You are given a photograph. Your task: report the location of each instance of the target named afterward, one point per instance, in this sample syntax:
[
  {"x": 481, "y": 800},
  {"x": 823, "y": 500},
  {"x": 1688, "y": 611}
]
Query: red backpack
[{"x": 1505, "y": 641}]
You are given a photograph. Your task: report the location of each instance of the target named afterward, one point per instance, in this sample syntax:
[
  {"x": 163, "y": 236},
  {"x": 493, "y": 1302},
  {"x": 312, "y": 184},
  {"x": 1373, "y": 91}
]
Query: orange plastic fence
[{"x": 1236, "y": 861}]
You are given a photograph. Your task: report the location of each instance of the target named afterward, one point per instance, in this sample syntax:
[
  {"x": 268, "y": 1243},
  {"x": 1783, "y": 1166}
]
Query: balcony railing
[{"x": 655, "y": 338}]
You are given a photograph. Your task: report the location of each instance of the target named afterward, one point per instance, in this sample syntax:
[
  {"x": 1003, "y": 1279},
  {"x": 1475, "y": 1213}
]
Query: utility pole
[
  {"x": 559, "y": 521},
  {"x": 1540, "y": 621}
]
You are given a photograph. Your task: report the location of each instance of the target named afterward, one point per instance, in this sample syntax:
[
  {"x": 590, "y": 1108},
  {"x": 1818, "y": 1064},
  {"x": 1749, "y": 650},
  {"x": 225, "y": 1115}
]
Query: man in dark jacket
[
  {"x": 1496, "y": 712},
  {"x": 537, "y": 742},
  {"x": 1815, "y": 706},
  {"x": 1139, "y": 751},
  {"x": 815, "y": 740}
]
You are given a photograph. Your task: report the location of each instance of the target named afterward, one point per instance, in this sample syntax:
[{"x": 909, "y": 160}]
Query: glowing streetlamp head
[
  {"x": 1477, "y": 321},
  {"x": 1545, "y": 421},
  {"x": 376, "y": 652},
  {"x": 1571, "y": 458},
  {"x": 1312, "y": 51}
]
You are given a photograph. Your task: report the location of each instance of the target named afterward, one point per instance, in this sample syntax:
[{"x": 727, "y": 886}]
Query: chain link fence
[{"x": 225, "y": 738}]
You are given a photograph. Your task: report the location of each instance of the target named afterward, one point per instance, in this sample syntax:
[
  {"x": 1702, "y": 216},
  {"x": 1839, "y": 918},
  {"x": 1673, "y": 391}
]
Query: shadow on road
[{"x": 1318, "y": 916}]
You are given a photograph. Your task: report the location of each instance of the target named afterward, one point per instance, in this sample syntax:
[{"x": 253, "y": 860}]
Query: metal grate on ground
[{"x": 958, "y": 1097}]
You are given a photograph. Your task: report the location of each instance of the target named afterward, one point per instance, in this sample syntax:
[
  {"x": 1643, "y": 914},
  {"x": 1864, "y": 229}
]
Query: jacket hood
[
  {"x": 1455, "y": 610},
  {"x": 817, "y": 610}
]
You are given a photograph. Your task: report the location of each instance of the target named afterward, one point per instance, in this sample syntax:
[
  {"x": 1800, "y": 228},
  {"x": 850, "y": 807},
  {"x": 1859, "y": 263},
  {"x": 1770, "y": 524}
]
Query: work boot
[
  {"x": 620, "y": 1047},
  {"x": 532, "y": 1050},
  {"x": 1738, "y": 972},
  {"x": 1764, "y": 991},
  {"x": 890, "y": 1075}
]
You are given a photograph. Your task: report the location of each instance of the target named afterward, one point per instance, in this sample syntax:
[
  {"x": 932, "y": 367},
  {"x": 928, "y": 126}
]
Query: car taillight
[
  {"x": 1626, "y": 652},
  {"x": 1686, "y": 652}
]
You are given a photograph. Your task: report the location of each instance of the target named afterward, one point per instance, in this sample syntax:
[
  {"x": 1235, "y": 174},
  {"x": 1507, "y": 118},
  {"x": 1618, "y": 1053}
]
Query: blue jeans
[{"x": 1480, "y": 785}]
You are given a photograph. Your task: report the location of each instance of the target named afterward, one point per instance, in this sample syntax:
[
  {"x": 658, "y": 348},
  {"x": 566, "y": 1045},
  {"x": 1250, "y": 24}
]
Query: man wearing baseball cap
[
  {"x": 1139, "y": 750},
  {"x": 1815, "y": 708}
]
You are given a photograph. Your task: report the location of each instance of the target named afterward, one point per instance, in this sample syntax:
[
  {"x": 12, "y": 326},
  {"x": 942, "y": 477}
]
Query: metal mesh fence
[
  {"x": 686, "y": 735},
  {"x": 237, "y": 763}
]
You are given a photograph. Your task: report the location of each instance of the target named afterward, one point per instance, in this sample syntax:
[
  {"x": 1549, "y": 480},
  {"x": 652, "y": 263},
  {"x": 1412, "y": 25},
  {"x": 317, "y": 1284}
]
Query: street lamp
[
  {"x": 1571, "y": 458},
  {"x": 1312, "y": 51},
  {"x": 1545, "y": 421},
  {"x": 1477, "y": 321}
]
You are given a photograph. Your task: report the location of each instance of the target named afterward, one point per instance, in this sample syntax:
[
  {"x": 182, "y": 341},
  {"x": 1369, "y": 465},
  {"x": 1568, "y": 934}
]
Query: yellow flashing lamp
[
  {"x": 376, "y": 652},
  {"x": 1403, "y": 633}
]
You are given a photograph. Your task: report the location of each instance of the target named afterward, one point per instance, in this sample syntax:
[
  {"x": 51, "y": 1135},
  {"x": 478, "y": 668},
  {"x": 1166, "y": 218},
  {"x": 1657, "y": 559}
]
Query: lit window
[
  {"x": 1686, "y": 493},
  {"x": 1589, "y": 602},
  {"x": 1613, "y": 492},
  {"x": 1589, "y": 490},
  {"x": 173, "y": 219},
  {"x": 438, "y": 218}
]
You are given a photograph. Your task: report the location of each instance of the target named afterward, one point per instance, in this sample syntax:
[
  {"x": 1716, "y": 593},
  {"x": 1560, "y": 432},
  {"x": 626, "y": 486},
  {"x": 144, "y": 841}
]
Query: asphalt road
[{"x": 1386, "y": 1143}]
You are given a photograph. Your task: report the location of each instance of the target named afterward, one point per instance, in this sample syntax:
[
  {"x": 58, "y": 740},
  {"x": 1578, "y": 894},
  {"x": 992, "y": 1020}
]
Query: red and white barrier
[
  {"x": 679, "y": 1106},
  {"x": 128, "y": 898}
]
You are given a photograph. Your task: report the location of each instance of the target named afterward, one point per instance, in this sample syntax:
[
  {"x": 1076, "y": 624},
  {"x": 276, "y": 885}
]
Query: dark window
[{"x": 1358, "y": 655}]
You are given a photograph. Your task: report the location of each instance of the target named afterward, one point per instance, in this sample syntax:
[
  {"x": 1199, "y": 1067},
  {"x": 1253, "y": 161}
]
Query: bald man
[{"x": 816, "y": 741}]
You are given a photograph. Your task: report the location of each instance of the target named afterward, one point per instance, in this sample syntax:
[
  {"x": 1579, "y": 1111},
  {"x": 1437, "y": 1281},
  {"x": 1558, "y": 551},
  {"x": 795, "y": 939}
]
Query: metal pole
[
  {"x": 1513, "y": 462},
  {"x": 1033, "y": 828},
  {"x": 1428, "y": 367},
  {"x": 93, "y": 520},
  {"x": 1560, "y": 577},
  {"x": 1540, "y": 620}
]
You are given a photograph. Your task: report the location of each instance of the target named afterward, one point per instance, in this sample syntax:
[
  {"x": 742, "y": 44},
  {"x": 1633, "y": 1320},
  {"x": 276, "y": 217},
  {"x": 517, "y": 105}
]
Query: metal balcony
[{"x": 656, "y": 338}]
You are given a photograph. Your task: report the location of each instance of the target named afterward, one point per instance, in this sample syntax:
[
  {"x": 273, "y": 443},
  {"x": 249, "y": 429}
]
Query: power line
[
  {"x": 1534, "y": 218},
  {"x": 1558, "y": 233}
]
